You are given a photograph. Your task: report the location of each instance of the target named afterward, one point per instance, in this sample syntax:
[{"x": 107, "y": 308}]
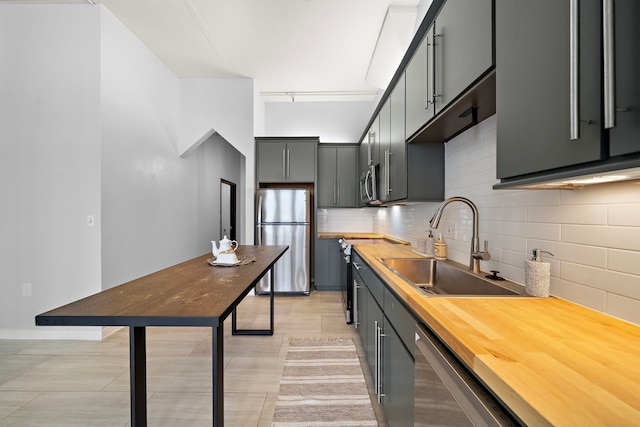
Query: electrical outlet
[{"x": 26, "y": 289}]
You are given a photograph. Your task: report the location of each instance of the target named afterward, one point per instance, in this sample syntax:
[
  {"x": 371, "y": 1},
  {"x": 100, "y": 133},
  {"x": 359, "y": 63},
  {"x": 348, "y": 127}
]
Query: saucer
[{"x": 223, "y": 264}]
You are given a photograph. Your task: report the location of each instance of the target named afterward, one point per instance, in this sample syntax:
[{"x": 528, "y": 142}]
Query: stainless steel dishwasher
[{"x": 447, "y": 394}]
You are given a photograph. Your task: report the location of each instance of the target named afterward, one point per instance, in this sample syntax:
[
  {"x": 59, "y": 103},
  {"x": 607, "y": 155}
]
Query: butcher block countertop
[
  {"x": 354, "y": 237},
  {"x": 551, "y": 361}
]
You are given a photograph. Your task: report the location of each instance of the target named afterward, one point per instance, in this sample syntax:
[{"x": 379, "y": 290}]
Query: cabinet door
[
  {"x": 327, "y": 177},
  {"x": 532, "y": 86},
  {"x": 397, "y": 380},
  {"x": 463, "y": 46},
  {"x": 271, "y": 158},
  {"x": 625, "y": 136},
  {"x": 374, "y": 141},
  {"x": 375, "y": 321},
  {"x": 330, "y": 269},
  {"x": 301, "y": 165},
  {"x": 419, "y": 80},
  {"x": 397, "y": 145},
  {"x": 360, "y": 309},
  {"x": 384, "y": 118},
  {"x": 347, "y": 180}
]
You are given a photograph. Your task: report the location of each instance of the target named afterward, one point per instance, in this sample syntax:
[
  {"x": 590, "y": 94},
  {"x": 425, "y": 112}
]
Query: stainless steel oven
[
  {"x": 347, "y": 293},
  {"x": 447, "y": 393}
]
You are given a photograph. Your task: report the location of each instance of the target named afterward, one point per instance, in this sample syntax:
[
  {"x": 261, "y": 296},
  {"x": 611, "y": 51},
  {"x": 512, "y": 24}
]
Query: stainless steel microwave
[{"x": 369, "y": 185}]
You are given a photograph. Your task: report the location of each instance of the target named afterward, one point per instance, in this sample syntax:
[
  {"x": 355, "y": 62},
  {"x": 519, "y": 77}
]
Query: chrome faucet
[{"x": 476, "y": 254}]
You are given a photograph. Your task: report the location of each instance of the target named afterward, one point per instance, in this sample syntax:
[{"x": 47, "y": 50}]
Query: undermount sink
[{"x": 436, "y": 278}]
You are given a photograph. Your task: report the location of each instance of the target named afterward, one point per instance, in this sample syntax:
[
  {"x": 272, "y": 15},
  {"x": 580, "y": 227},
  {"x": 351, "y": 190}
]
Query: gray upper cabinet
[
  {"x": 624, "y": 133},
  {"x": 463, "y": 47},
  {"x": 337, "y": 179},
  {"x": 533, "y": 86},
  {"x": 393, "y": 147},
  {"x": 408, "y": 172},
  {"x": 419, "y": 86},
  {"x": 567, "y": 102},
  {"x": 286, "y": 160}
]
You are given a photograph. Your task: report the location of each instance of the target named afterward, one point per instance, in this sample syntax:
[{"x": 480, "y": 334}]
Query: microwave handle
[{"x": 366, "y": 185}]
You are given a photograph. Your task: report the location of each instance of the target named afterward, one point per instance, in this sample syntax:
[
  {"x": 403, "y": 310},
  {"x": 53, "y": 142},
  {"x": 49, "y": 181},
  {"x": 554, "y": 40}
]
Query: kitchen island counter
[{"x": 550, "y": 361}]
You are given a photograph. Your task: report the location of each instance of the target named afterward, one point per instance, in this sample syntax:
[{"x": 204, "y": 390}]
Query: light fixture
[{"x": 584, "y": 180}]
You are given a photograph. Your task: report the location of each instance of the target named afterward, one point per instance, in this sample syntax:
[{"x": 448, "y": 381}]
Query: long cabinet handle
[
  {"x": 284, "y": 163},
  {"x": 356, "y": 321},
  {"x": 378, "y": 349},
  {"x": 356, "y": 265},
  {"x": 288, "y": 164},
  {"x": 574, "y": 76},
  {"x": 433, "y": 66},
  {"x": 427, "y": 63},
  {"x": 609, "y": 64},
  {"x": 387, "y": 175}
]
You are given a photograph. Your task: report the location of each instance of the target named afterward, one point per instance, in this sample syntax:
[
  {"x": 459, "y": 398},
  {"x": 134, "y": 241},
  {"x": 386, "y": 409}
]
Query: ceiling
[{"x": 298, "y": 50}]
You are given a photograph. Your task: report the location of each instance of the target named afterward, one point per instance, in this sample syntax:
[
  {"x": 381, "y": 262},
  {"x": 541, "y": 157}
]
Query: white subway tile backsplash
[
  {"x": 586, "y": 255},
  {"x": 624, "y": 261},
  {"x": 623, "y": 307},
  {"x": 627, "y": 214},
  {"x": 579, "y": 294},
  {"x": 585, "y": 214},
  {"x": 606, "y": 280},
  {"x": 611, "y": 237}
]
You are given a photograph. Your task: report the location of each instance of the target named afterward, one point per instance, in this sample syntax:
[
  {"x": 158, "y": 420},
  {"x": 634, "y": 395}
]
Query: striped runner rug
[{"x": 323, "y": 385}]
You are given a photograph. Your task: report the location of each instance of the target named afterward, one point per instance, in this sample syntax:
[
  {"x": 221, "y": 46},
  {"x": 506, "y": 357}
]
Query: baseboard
[{"x": 89, "y": 333}]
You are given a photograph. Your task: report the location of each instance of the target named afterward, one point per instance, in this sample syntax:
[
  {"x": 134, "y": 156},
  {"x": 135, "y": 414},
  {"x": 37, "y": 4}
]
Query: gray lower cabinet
[
  {"x": 385, "y": 326},
  {"x": 286, "y": 160},
  {"x": 337, "y": 176},
  {"x": 398, "y": 380},
  {"x": 330, "y": 268}
]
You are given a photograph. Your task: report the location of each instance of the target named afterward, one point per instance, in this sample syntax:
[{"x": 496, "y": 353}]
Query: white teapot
[{"x": 226, "y": 253}]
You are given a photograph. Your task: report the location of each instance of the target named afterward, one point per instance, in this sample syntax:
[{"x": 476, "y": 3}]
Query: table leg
[
  {"x": 138, "y": 375},
  {"x": 236, "y": 331},
  {"x": 217, "y": 384}
]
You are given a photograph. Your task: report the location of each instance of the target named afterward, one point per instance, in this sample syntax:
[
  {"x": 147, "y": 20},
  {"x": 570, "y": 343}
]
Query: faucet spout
[{"x": 474, "y": 259}]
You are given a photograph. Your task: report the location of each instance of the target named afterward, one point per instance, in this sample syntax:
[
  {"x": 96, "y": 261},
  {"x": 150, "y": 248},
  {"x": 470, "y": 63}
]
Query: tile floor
[{"x": 86, "y": 383}]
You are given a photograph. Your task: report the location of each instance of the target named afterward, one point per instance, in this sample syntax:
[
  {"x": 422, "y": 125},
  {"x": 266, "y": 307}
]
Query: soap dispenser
[{"x": 537, "y": 275}]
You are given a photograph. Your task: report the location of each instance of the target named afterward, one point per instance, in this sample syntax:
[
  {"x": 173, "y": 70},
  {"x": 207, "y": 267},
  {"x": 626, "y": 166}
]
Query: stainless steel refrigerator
[{"x": 284, "y": 218}]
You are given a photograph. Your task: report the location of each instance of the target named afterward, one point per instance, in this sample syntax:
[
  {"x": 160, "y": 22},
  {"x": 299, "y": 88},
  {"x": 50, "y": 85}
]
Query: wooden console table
[{"x": 192, "y": 293}]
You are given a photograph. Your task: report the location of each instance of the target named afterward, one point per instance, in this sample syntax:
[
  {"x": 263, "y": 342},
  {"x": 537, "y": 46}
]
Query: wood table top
[{"x": 192, "y": 293}]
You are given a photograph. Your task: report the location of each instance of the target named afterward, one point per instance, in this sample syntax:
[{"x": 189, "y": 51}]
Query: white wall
[
  {"x": 331, "y": 121},
  {"x": 158, "y": 209},
  {"x": 593, "y": 232},
  {"x": 92, "y": 125},
  {"x": 226, "y": 107},
  {"x": 49, "y": 161}
]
